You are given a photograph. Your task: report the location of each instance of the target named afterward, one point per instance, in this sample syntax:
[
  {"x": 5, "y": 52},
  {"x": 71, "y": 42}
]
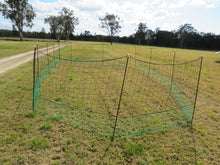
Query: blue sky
[{"x": 167, "y": 14}]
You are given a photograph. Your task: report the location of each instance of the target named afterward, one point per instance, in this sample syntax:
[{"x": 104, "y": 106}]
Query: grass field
[
  {"x": 28, "y": 138},
  {"x": 8, "y": 47}
]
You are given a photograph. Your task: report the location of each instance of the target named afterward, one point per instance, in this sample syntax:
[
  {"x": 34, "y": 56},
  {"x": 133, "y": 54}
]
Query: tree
[
  {"x": 164, "y": 38},
  {"x": 20, "y": 12},
  {"x": 183, "y": 32},
  {"x": 56, "y": 26},
  {"x": 141, "y": 33},
  {"x": 63, "y": 24},
  {"x": 110, "y": 23},
  {"x": 42, "y": 33},
  {"x": 69, "y": 22},
  {"x": 149, "y": 36}
]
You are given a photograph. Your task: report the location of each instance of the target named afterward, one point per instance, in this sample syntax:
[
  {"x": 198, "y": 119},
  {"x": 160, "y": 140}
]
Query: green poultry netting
[{"x": 115, "y": 97}]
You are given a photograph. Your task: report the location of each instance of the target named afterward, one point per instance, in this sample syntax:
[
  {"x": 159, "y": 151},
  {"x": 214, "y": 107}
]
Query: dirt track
[{"x": 16, "y": 60}]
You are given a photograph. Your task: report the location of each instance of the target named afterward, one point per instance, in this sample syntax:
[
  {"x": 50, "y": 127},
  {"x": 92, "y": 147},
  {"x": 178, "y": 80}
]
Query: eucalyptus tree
[
  {"x": 141, "y": 33},
  {"x": 111, "y": 24},
  {"x": 69, "y": 22},
  {"x": 62, "y": 24},
  {"x": 56, "y": 26},
  {"x": 185, "y": 32},
  {"x": 20, "y": 12}
]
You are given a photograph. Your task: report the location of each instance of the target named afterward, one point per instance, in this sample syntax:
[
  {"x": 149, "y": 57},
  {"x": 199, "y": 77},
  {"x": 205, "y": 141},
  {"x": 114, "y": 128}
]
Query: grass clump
[
  {"x": 57, "y": 98},
  {"x": 30, "y": 115},
  {"x": 25, "y": 128},
  {"x": 46, "y": 126},
  {"x": 211, "y": 87},
  {"x": 11, "y": 138},
  {"x": 134, "y": 149},
  {"x": 37, "y": 142}
]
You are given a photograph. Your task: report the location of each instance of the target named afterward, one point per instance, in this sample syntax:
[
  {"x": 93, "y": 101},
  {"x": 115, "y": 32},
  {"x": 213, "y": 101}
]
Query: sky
[{"x": 204, "y": 15}]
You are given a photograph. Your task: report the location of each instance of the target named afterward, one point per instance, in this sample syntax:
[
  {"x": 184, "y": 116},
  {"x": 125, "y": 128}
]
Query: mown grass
[
  {"x": 8, "y": 48},
  {"x": 27, "y": 138},
  {"x": 12, "y": 46}
]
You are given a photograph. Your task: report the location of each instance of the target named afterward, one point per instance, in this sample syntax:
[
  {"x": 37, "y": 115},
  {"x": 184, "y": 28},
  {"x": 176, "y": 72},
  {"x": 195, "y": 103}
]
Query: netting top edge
[
  {"x": 103, "y": 60},
  {"x": 112, "y": 59},
  {"x": 153, "y": 63},
  {"x": 136, "y": 59}
]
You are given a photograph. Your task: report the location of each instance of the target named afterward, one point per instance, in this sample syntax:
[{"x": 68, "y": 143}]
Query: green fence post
[{"x": 34, "y": 60}]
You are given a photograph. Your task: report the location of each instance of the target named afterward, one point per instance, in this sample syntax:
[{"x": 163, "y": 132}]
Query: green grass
[
  {"x": 27, "y": 138},
  {"x": 46, "y": 126},
  {"x": 37, "y": 142},
  {"x": 10, "y": 48},
  {"x": 134, "y": 149}
]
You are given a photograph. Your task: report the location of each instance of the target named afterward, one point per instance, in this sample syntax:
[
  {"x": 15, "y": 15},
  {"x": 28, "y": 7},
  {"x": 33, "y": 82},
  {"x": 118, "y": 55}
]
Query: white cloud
[
  {"x": 159, "y": 3},
  {"x": 156, "y": 13},
  {"x": 198, "y": 2},
  {"x": 182, "y": 3},
  {"x": 177, "y": 3},
  {"x": 205, "y": 3},
  {"x": 90, "y": 5}
]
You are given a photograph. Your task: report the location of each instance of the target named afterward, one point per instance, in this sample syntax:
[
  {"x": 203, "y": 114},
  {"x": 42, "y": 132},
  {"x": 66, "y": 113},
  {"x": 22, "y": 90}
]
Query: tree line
[
  {"x": 158, "y": 37},
  {"x": 62, "y": 26}
]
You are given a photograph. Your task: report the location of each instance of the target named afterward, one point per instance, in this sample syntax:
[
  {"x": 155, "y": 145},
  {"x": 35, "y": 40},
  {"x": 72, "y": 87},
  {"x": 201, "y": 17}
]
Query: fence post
[
  {"x": 71, "y": 52},
  {"x": 59, "y": 49},
  {"x": 135, "y": 54},
  {"x": 102, "y": 50},
  {"x": 174, "y": 58},
  {"x": 47, "y": 54},
  {"x": 53, "y": 50},
  {"x": 197, "y": 88},
  {"x": 119, "y": 103},
  {"x": 34, "y": 60},
  {"x": 37, "y": 59},
  {"x": 150, "y": 61}
]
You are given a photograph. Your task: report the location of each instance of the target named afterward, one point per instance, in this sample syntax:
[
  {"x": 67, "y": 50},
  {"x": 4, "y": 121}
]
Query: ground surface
[
  {"x": 12, "y": 46},
  {"x": 27, "y": 138},
  {"x": 7, "y": 63}
]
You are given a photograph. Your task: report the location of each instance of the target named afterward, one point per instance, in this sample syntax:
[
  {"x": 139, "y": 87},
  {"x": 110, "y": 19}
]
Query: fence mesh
[{"x": 82, "y": 86}]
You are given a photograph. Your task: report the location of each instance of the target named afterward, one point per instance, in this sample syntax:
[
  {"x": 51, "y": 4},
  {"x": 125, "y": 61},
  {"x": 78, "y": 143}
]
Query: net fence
[{"x": 114, "y": 97}]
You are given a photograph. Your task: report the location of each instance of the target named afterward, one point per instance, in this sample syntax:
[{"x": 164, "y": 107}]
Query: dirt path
[{"x": 16, "y": 60}]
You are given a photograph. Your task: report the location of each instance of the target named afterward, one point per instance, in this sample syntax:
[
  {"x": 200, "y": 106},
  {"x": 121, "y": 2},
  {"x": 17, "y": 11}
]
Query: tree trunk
[
  {"x": 67, "y": 37},
  {"x": 58, "y": 36},
  {"x": 21, "y": 35},
  {"x": 111, "y": 39}
]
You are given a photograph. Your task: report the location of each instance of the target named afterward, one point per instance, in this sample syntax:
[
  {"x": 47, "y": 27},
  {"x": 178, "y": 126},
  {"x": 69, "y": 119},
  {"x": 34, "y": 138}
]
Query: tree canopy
[
  {"x": 69, "y": 22},
  {"x": 141, "y": 33},
  {"x": 20, "y": 12},
  {"x": 62, "y": 24},
  {"x": 56, "y": 25},
  {"x": 110, "y": 23}
]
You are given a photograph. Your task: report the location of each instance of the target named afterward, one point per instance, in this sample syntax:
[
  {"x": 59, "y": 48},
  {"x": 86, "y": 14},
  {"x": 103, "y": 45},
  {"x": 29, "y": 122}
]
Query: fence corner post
[
  {"x": 197, "y": 88},
  {"x": 119, "y": 102}
]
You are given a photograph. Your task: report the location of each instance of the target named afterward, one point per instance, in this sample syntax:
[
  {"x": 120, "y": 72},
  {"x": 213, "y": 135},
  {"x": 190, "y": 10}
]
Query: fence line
[{"x": 44, "y": 69}]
